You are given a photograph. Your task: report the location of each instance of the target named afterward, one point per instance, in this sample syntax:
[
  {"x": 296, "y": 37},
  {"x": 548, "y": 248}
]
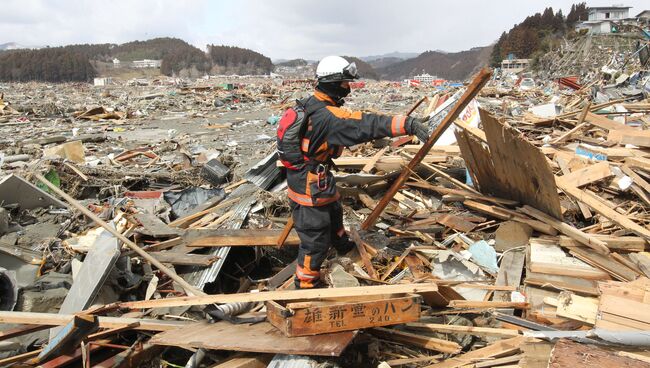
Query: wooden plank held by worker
[
  {"x": 342, "y": 316},
  {"x": 472, "y": 90}
]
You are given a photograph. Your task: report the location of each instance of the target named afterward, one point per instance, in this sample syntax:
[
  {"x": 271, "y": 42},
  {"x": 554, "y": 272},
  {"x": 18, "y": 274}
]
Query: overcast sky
[{"x": 277, "y": 28}]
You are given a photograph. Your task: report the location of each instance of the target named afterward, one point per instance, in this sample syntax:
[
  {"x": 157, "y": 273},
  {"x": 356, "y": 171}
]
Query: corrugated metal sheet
[
  {"x": 200, "y": 277},
  {"x": 265, "y": 172}
]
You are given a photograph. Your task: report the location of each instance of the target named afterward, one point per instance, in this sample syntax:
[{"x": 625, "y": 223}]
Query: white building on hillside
[
  {"x": 147, "y": 63},
  {"x": 601, "y": 18},
  {"x": 425, "y": 78}
]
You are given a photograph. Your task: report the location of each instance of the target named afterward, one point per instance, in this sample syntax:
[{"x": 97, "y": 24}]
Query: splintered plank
[
  {"x": 587, "y": 175},
  {"x": 185, "y": 259},
  {"x": 636, "y": 137},
  {"x": 567, "y": 353},
  {"x": 237, "y": 238},
  {"x": 456, "y": 223},
  {"x": 605, "y": 123},
  {"x": 505, "y": 214},
  {"x": 426, "y": 342},
  {"x": 617, "y": 243},
  {"x": 54, "y": 319},
  {"x": 606, "y": 211},
  {"x": 566, "y": 229},
  {"x": 548, "y": 258},
  {"x": 358, "y": 291},
  {"x": 259, "y": 338},
  {"x": 606, "y": 264},
  {"x": 499, "y": 348}
]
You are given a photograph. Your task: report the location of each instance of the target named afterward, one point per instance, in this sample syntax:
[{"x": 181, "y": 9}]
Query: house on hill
[{"x": 601, "y": 18}]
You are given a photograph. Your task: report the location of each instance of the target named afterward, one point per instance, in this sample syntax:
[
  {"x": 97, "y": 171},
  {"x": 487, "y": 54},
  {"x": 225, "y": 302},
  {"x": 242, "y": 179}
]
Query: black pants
[{"x": 318, "y": 228}]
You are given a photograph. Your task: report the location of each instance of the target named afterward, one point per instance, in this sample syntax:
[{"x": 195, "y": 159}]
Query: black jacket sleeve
[{"x": 349, "y": 128}]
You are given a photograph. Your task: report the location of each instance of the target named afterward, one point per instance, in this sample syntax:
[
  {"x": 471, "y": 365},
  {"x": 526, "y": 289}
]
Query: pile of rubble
[{"x": 155, "y": 231}]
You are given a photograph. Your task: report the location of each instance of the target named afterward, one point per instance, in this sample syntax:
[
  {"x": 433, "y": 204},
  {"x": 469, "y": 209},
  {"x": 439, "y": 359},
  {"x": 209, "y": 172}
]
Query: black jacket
[{"x": 329, "y": 130}]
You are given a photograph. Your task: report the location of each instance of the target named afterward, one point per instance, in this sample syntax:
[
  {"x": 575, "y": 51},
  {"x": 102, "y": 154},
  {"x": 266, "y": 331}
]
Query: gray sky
[{"x": 278, "y": 28}]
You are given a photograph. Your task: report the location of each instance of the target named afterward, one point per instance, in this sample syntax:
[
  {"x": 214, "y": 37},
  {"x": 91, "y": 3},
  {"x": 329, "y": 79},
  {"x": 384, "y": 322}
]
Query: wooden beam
[
  {"x": 503, "y": 214},
  {"x": 237, "y": 238},
  {"x": 55, "y": 319},
  {"x": 605, "y": 123},
  {"x": 498, "y": 348},
  {"x": 367, "y": 168},
  {"x": 185, "y": 259},
  {"x": 426, "y": 342},
  {"x": 472, "y": 90},
  {"x": 332, "y": 293},
  {"x": 464, "y": 330},
  {"x": 586, "y": 175},
  {"x": 488, "y": 304},
  {"x": 568, "y": 230},
  {"x": 625, "y": 243}
]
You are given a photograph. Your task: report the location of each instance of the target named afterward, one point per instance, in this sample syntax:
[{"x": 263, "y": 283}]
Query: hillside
[
  {"x": 236, "y": 60},
  {"x": 452, "y": 66}
]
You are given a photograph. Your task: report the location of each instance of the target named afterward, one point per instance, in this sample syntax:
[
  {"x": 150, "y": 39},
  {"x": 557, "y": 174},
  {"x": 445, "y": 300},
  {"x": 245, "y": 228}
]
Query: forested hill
[{"x": 74, "y": 62}]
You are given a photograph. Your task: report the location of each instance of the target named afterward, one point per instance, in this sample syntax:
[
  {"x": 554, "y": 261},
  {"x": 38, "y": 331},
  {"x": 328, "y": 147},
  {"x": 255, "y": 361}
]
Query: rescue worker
[{"x": 317, "y": 211}]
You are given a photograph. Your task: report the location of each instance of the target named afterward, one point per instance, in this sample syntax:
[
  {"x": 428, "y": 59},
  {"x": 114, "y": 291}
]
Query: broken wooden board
[
  {"x": 512, "y": 234},
  {"x": 260, "y": 338},
  {"x": 577, "y": 308},
  {"x": 153, "y": 226},
  {"x": 548, "y": 258},
  {"x": 236, "y": 238},
  {"x": 605, "y": 123},
  {"x": 505, "y": 214},
  {"x": 185, "y": 259},
  {"x": 568, "y": 230},
  {"x": 331, "y": 293},
  {"x": 559, "y": 282},
  {"x": 426, "y": 342},
  {"x": 567, "y": 353},
  {"x": 342, "y": 316},
  {"x": 95, "y": 269},
  {"x": 615, "y": 243},
  {"x": 639, "y": 138},
  {"x": 605, "y": 263},
  {"x": 499, "y": 348},
  {"x": 518, "y": 170},
  {"x": 464, "y": 330},
  {"x": 587, "y": 175},
  {"x": 605, "y": 210},
  {"x": 54, "y": 319},
  {"x": 623, "y": 305}
]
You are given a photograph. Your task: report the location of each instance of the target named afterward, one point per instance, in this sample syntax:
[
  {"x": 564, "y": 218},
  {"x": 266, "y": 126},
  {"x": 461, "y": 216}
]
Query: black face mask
[{"x": 334, "y": 90}]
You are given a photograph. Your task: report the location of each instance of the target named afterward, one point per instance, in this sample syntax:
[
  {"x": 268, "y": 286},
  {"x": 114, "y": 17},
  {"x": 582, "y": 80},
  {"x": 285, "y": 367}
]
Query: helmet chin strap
[{"x": 334, "y": 90}]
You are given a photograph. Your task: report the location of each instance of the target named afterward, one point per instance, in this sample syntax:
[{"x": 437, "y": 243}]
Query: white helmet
[{"x": 335, "y": 69}]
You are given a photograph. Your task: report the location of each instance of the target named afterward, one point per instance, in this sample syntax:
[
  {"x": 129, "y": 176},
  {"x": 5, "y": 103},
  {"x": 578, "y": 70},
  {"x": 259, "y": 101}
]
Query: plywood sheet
[
  {"x": 521, "y": 168},
  {"x": 260, "y": 337}
]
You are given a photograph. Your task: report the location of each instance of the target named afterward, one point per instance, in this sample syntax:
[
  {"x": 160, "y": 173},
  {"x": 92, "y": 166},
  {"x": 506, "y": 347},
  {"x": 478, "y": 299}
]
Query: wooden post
[
  {"x": 184, "y": 284},
  {"x": 472, "y": 90}
]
